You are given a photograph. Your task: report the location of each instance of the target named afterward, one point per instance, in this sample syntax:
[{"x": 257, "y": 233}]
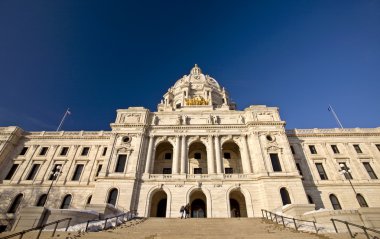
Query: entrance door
[
  {"x": 235, "y": 208},
  {"x": 161, "y": 208},
  {"x": 198, "y": 209}
]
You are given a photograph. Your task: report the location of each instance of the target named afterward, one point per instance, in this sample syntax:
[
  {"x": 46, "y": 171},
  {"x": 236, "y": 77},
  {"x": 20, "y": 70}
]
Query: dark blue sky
[{"x": 99, "y": 56}]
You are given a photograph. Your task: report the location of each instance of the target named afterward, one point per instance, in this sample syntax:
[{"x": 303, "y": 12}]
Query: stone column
[
  {"x": 257, "y": 155},
  {"x": 67, "y": 167},
  {"x": 218, "y": 158},
  {"x": 246, "y": 159},
  {"x": 20, "y": 173},
  {"x": 183, "y": 155},
  {"x": 210, "y": 155},
  {"x": 176, "y": 155},
  {"x": 91, "y": 173},
  {"x": 149, "y": 155},
  {"x": 46, "y": 165}
]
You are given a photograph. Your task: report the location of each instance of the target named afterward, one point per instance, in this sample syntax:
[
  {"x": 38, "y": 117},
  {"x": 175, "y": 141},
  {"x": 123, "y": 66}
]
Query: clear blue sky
[{"x": 99, "y": 56}]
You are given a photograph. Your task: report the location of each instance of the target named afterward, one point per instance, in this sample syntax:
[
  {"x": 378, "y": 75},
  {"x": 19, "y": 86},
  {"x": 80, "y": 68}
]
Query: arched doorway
[
  {"x": 231, "y": 158},
  {"x": 198, "y": 209},
  {"x": 161, "y": 208},
  {"x": 238, "y": 206},
  {"x": 163, "y": 159},
  {"x": 158, "y": 204},
  {"x": 198, "y": 205},
  {"x": 197, "y": 158}
]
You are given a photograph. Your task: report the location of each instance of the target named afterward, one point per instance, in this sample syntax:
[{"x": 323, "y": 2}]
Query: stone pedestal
[
  {"x": 29, "y": 217},
  {"x": 297, "y": 210}
]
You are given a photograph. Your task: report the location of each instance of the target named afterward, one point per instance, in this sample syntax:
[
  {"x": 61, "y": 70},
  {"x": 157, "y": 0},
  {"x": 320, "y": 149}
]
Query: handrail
[
  {"x": 105, "y": 220},
  {"x": 365, "y": 229},
  {"x": 40, "y": 228},
  {"x": 283, "y": 222}
]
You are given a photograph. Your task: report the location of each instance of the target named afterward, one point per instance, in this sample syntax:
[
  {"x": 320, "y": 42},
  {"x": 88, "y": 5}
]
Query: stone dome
[{"x": 195, "y": 90}]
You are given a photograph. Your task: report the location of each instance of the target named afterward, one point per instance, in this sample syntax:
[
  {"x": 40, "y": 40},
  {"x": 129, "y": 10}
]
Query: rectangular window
[
  {"x": 120, "y": 165},
  {"x": 33, "y": 172},
  {"x": 378, "y": 146},
  {"x": 168, "y": 155},
  {"x": 228, "y": 170},
  {"x": 166, "y": 171},
  {"x": 312, "y": 149},
  {"x": 275, "y": 162},
  {"x": 292, "y": 149},
  {"x": 64, "y": 151},
  {"x": 335, "y": 149},
  {"x": 104, "y": 151},
  {"x": 299, "y": 169},
  {"x": 55, "y": 169},
  {"x": 345, "y": 170},
  {"x": 11, "y": 172},
  {"x": 321, "y": 171},
  {"x": 43, "y": 151},
  {"x": 23, "y": 151},
  {"x": 77, "y": 172},
  {"x": 85, "y": 151},
  {"x": 227, "y": 155},
  {"x": 197, "y": 170},
  {"x": 197, "y": 155},
  {"x": 370, "y": 171},
  {"x": 178, "y": 106},
  {"x": 358, "y": 149},
  {"x": 98, "y": 170}
]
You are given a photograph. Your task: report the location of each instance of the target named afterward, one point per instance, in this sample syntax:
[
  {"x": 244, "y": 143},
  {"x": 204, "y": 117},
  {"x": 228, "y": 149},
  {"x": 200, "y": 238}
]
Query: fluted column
[
  {"x": 218, "y": 158},
  {"x": 176, "y": 155},
  {"x": 183, "y": 155},
  {"x": 210, "y": 155},
  {"x": 149, "y": 155},
  {"x": 246, "y": 159}
]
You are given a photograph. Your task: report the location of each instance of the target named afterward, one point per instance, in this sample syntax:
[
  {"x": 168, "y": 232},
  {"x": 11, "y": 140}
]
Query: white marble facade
[{"x": 197, "y": 149}]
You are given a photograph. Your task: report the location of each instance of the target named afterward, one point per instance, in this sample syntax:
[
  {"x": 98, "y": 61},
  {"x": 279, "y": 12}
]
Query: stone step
[{"x": 242, "y": 228}]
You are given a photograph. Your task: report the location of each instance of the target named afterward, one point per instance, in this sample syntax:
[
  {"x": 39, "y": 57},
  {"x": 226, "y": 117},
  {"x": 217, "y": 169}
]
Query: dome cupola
[{"x": 196, "y": 91}]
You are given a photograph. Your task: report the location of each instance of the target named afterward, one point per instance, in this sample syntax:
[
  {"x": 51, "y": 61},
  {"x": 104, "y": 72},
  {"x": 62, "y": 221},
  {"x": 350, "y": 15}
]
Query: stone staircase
[{"x": 163, "y": 228}]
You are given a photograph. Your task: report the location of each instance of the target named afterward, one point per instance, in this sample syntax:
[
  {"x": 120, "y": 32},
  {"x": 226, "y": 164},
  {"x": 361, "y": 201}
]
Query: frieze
[{"x": 274, "y": 148}]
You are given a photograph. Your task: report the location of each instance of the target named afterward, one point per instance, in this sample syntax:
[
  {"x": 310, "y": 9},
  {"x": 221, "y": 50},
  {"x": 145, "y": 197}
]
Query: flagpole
[
  {"x": 63, "y": 119},
  {"x": 335, "y": 116}
]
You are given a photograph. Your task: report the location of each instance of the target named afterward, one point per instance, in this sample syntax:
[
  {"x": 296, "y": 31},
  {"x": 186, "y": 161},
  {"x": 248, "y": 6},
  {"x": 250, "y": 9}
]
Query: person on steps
[
  {"x": 187, "y": 210},
  {"x": 182, "y": 212}
]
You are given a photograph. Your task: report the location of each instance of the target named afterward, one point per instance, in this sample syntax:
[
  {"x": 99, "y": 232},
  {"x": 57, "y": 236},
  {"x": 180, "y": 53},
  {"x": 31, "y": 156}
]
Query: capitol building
[{"x": 196, "y": 149}]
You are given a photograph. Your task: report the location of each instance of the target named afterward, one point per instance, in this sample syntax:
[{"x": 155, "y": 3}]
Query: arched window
[
  {"x": 15, "y": 204},
  {"x": 66, "y": 202},
  {"x": 89, "y": 199},
  {"x": 112, "y": 196},
  {"x": 310, "y": 199},
  {"x": 361, "y": 200},
  {"x": 285, "y": 196},
  {"x": 335, "y": 202},
  {"x": 41, "y": 201}
]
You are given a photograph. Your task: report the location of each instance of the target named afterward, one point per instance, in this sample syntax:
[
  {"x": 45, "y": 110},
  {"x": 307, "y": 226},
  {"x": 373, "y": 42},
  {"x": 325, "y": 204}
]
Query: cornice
[{"x": 319, "y": 133}]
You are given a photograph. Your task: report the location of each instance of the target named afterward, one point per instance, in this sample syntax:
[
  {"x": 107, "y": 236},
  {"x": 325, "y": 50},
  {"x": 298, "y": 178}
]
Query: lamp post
[
  {"x": 346, "y": 171},
  {"x": 54, "y": 174}
]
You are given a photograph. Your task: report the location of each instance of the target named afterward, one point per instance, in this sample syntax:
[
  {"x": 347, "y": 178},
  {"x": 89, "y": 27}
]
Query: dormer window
[{"x": 178, "y": 106}]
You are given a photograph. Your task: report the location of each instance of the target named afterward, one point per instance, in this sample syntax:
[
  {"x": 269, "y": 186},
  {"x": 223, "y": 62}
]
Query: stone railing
[
  {"x": 69, "y": 133},
  {"x": 235, "y": 176},
  {"x": 198, "y": 176}
]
